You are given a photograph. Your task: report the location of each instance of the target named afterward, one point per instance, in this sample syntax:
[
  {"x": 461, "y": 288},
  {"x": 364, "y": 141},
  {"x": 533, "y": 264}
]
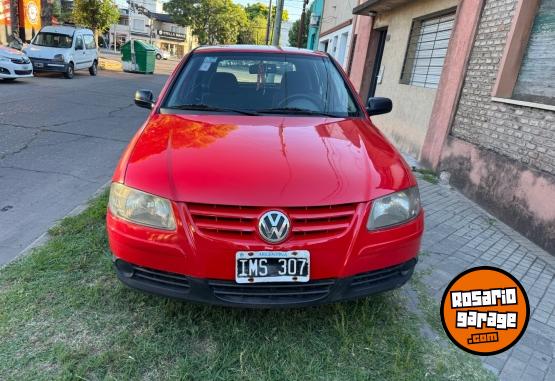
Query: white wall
[{"x": 339, "y": 44}]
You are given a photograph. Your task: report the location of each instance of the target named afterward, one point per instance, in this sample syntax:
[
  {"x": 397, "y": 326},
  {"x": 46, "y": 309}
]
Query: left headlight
[
  {"x": 141, "y": 207},
  {"x": 59, "y": 58},
  {"x": 394, "y": 209}
]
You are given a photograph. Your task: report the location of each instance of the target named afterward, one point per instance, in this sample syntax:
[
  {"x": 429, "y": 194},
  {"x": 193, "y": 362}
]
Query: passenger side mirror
[
  {"x": 378, "y": 106},
  {"x": 144, "y": 99}
]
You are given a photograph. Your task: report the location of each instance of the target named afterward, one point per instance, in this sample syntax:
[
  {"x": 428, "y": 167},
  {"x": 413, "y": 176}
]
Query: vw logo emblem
[{"x": 274, "y": 226}]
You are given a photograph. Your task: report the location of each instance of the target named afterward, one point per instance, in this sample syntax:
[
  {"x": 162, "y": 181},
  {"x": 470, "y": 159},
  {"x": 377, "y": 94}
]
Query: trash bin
[{"x": 141, "y": 59}]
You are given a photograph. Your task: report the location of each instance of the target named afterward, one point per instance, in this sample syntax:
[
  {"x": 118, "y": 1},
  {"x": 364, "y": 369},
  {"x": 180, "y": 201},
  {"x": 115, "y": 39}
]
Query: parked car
[
  {"x": 162, "y": 54},
  {"x": 14, "y": 64},
  {"x": 63, "y": 49},
  {"x": 259, "y": 180}
]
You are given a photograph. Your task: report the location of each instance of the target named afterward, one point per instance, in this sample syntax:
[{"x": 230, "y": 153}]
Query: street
[{"x": 61, "y": 140}]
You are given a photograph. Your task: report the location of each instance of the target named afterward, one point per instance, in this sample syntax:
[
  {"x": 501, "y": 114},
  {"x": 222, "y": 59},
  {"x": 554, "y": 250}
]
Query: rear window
[
  {"x": 262, "y": 82},
  {"x": 53, "y": 40}
]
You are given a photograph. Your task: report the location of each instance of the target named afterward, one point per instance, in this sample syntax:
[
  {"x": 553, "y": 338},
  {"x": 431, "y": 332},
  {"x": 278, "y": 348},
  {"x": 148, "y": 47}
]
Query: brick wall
[{"x": 524, "y": 134}]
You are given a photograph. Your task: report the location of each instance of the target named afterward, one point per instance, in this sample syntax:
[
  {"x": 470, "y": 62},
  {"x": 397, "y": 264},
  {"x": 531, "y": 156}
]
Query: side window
[
  {"x": 89, "y": 42},
  {"x": 79, "y": 43}
]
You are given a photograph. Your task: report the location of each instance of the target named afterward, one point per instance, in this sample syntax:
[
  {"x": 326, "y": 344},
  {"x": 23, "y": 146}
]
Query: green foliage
[
  {"x": 260, "y": 9},
  {"x": 212, "y": 21},
  {"x": 293, "y": 32},
  {"x": 97, "y": 15},
  {"x": 255, "y": 32}
]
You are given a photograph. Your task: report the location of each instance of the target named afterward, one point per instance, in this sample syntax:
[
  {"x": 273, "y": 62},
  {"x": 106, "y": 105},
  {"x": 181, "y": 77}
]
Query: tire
[
  {"x": 93, "y": 70},
  {"x": 158, "y": 56},
  {"x": 70, "y": 71}
]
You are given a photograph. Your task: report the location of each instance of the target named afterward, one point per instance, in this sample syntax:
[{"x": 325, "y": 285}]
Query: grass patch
[
  {"x": 427, "y": 175},
  {"x": 64, "y": 315}
]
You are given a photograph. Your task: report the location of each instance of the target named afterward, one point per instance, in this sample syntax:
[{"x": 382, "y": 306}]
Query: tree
[
  {"x": 293, "y": 32},
  {"x": 255, "y": 32},
  {"x": 259, "y": 9},
  {"x": 212, "y": 21},
  {"x": 97, "y": 15}
]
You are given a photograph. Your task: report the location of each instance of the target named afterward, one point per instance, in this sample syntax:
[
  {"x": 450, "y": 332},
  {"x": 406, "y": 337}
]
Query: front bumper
[
  {"x": 48, "y": 65},
  {"x": 10, "y": 70},
  {"x": 263, "y": 295}
]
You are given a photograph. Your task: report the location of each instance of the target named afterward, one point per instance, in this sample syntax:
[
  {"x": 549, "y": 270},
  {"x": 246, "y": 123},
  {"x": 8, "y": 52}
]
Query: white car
[
  {"x": 14, "y": 64},
  {"x": 63, "y": 49},
  {"x": 162, "y": 54}
]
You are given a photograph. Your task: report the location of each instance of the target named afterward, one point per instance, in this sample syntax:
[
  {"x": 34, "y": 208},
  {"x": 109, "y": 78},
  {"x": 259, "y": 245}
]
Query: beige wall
[
  {"x": 407, "y": 124},
  {"x": 336, "y": 12}
]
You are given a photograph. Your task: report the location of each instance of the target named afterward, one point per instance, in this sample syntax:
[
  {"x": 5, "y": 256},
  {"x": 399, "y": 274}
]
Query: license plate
[
  {"x": 26, "y": 67},
  {"x": 272, "y": 266},
  {"x": 38, "y": 64}
]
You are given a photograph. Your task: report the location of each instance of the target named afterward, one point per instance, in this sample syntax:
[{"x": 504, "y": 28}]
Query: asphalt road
[{"x": 60, "y": 141}]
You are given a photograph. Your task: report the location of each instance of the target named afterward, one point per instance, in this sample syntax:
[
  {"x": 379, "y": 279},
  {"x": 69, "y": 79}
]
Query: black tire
[
  {"x": 9, "y": 79},
  {"x": 158, "y": 56},
  {"x": 93, "y": 70},
  {"x": 70, "y": 71}
]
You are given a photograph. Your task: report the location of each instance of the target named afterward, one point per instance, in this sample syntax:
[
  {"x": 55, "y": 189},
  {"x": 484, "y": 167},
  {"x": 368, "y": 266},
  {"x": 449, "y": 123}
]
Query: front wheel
[
  {"x": 70, "y": 71},
  {"x": 158, "y": 56},
  {"x": 93, "y": 70}
]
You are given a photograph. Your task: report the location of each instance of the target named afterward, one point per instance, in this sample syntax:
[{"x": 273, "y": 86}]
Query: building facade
[
  {"x": 148, "y": 23},
  {"x": 335, "y": 35},
  {"x": 316, "y": 8},
  {"x": 472, "y": 82}
]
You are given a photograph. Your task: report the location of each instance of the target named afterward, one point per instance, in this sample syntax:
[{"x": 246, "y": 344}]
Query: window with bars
[{"x": 427, "y": 49}]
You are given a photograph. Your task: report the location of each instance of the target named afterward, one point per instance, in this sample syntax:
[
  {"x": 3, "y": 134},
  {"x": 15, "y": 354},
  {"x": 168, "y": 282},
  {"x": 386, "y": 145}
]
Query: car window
[
  {"x": 89, "y": 41},
  {"x": 53, "y": 40},
  {"x": 79, "y": 43},
  {"x": 263, "y": 83}
]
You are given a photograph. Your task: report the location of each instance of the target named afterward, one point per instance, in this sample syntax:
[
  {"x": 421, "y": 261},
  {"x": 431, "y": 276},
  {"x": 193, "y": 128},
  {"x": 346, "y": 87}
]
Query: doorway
[{"x": 376, "y": 67}]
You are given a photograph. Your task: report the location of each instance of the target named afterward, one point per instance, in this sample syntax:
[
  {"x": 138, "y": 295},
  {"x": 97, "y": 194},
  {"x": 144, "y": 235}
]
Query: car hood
[
  {"x": 44, "y": 52},
  {"x": 10, "y": 53},
  {"x": 264, "y": 161}
]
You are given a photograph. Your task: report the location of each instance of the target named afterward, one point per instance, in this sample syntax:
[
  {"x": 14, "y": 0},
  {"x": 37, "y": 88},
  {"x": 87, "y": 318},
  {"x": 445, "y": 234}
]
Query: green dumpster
[{"x": 139, "y": 58}]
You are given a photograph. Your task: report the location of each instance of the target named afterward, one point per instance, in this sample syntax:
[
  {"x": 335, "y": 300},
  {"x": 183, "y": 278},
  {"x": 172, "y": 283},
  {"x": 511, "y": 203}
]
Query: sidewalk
[{"x": 460, "y": 235}]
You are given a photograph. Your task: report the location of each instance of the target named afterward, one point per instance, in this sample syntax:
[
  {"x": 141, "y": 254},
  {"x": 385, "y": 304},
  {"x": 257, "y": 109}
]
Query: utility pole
[
  {"x": 301, "y": 25},
  {"x": 277, "y": 26},
  {"x": 269, "y": 23}
]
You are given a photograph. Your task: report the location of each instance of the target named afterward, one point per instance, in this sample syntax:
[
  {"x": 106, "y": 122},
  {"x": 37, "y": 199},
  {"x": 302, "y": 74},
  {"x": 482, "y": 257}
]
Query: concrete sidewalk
[{"x": 460, "y": 235}]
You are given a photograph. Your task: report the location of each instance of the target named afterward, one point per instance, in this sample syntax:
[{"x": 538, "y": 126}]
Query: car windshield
[
  {"x": 53, "y": 40},
  {"x": 261, "y": 83}
]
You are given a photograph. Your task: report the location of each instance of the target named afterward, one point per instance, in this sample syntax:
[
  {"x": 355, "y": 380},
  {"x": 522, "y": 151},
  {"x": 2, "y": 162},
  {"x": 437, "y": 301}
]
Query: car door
[
  {"x": 90, "y": 47},
  {"x": 80, "y": 53}
]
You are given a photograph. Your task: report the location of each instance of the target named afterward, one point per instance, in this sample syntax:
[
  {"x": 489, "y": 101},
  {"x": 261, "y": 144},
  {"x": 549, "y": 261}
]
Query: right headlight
[
  {"x": 394, "y": 209},
  {"x": 141, "y": 207}
]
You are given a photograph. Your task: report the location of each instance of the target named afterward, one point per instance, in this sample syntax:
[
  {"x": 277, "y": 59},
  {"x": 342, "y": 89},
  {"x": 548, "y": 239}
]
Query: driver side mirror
[
  {"x": 378, "y": 106},
  {"x": 144, "y": 98}
]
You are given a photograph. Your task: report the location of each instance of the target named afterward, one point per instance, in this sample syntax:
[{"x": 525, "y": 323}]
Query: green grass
[
  {"x": 427, "y": 175},
  {"x": 63, "y": 315}
]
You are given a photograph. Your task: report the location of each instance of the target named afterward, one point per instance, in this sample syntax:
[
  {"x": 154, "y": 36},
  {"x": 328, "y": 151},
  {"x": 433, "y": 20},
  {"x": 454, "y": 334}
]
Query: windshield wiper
[
  {"x": 297, "y": 111},
  {"x": 205, "y": 107}
]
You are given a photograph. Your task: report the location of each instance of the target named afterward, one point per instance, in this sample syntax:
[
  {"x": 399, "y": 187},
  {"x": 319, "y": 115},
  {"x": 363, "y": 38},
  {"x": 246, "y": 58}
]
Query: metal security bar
[{"x": 427, "y": 49}]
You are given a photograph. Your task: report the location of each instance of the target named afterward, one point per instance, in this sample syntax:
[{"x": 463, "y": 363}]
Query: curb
[{"x": 44, "y": 237}]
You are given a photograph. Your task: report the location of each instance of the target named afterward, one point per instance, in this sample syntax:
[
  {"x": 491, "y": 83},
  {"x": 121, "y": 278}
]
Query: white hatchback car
[
  {"x": 63, "y": 49},
  {"x": 14, "y": 64}
]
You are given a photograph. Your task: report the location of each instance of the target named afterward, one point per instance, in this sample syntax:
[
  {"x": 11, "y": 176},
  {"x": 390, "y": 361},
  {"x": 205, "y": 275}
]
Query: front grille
[
  {"x": 377, "y": 277},
  {"x": 177, "y": 282},
  {"x": 23, "y": 72},
  {"x": 20, "y": 61},
  {"x": 271, "y": 293},
  {"x": 240, "y": 222}
]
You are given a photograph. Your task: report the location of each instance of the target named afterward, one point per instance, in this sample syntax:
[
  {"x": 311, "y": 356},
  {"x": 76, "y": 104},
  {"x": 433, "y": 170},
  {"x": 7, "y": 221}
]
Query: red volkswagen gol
[{"x": 259, "y": 180}]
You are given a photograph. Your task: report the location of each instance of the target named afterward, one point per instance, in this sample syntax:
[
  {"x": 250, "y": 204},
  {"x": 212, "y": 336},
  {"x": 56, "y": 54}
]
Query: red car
[{"x": 259, "y": 180}]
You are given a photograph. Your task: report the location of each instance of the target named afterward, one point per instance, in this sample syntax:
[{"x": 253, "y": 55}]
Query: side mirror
[
  {"x": 378, "y": 106},
  {"x": 144, "y": 98}
]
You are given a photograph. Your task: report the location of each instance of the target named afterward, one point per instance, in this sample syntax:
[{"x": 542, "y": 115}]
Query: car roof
[
  {"x": 63, "y": 29},
  {"x": 257, "y": 49}
]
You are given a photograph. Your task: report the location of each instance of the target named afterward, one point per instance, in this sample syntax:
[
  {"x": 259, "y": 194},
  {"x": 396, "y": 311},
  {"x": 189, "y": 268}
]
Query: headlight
[
  {"x": 140, "y": 207},
  {"x": 394, "y": 209},
  {"x": 59, "y": 58}
]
